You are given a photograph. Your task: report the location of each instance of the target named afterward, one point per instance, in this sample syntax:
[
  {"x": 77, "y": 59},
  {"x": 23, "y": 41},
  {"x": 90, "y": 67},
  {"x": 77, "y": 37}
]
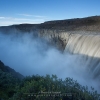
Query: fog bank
[{"x": 30, "y": 55}]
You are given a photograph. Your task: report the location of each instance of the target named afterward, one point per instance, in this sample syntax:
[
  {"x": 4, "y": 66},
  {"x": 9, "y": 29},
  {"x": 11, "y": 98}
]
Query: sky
[{"x": 39, "y": 11}]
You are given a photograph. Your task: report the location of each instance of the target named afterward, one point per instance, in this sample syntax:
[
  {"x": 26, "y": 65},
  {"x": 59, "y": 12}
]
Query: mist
[{"x": 31, "y": 55}]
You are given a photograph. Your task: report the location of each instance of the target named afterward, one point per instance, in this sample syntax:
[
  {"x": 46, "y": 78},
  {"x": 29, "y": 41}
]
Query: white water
[
  {"x": 84, "y": 44},
  {"x": 88, "y": 46}
]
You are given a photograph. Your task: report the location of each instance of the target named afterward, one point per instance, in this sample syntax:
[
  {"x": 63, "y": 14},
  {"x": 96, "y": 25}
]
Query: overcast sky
[{"x": 38, "y": 11}]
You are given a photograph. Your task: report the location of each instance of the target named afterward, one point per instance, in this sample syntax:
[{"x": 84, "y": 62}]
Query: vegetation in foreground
[{"x": 43, "y": 88}]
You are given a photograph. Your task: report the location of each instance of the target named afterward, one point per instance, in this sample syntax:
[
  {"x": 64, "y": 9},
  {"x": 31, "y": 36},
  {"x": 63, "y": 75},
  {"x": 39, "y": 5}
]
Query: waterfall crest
[
  {"x": 87, "y": 46},
  {"x": 84, "y": 44}
]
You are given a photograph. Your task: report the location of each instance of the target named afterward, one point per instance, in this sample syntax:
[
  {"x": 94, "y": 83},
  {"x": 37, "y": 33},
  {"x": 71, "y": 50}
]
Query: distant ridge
[
  {"x": 91, "y": 23},
  {"x": 87, "y": 23}
]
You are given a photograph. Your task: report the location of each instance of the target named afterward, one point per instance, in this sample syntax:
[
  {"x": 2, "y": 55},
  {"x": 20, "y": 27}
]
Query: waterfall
[
  {"x": 88, "y": 46},
  {"x": 84, "y": 44}
]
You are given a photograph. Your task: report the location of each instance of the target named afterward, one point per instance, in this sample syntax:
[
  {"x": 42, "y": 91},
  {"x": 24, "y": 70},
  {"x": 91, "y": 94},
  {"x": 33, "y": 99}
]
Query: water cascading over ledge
[
  {"x": 88, "y": 47},
  {"x": 84, "y": 44}
]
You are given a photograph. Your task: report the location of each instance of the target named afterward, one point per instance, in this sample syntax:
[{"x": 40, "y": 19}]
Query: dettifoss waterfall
[
  {"x": 80, "y": 59},
  {"x": 87, "y": 46}
]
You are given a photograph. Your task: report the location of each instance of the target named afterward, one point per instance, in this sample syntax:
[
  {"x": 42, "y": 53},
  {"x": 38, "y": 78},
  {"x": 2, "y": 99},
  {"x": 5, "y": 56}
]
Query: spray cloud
[{"x": 29, "y": 55}]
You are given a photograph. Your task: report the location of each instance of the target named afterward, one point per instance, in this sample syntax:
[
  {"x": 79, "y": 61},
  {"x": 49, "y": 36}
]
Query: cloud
[
  {"x": 22, "y": 18},
  {"x": 5, "y": 21},
  {"x": 39, "y": 17},
  {"x": 36, "y": 16},
  {"x": 13, "y": 18},
  {"x": 28, "y": 15},
  {"x": 2, "y": 17}
]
